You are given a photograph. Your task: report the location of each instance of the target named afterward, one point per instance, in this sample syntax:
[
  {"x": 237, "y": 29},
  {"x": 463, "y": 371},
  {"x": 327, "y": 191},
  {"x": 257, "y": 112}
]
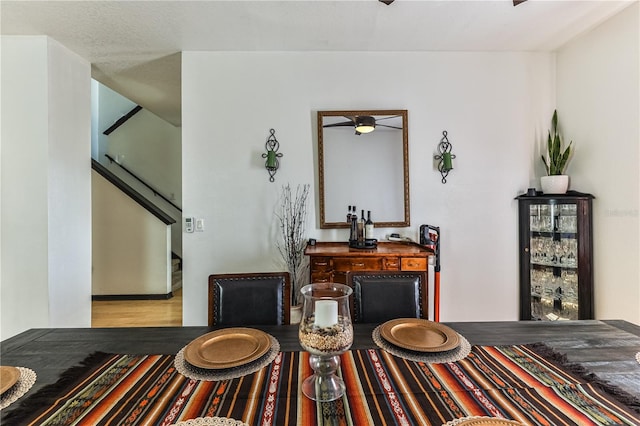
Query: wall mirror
[{"x": 363, "y": 160}]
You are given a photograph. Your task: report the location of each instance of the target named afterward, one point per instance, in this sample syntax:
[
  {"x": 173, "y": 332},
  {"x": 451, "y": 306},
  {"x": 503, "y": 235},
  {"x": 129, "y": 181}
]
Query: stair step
[
  {"x": 176, "y": 280},
  {"x": 176, "y": 265},
  {"x": 176, "y": 272}
]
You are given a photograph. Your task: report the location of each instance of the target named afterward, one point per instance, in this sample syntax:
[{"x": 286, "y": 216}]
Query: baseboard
[{"x": 132, "y": 296}]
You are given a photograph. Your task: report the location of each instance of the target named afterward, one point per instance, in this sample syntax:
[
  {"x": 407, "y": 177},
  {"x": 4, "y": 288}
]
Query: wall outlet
[{"x": 199, "y": 225}]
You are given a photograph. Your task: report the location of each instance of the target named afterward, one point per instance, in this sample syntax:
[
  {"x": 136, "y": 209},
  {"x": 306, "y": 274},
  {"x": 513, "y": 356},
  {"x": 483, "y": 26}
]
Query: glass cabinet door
[
  {"x": 556, "y": 273},
  {"x": 554, "y": 261}
]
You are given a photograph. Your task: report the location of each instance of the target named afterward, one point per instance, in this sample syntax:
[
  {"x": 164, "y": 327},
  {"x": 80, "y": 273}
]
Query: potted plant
[
  {"x": 292, "y": 219},
  {"x": 556, "y": 182}
]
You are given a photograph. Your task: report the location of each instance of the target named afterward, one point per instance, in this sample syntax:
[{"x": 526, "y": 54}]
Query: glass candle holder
[{"x": 325, "y": 332}]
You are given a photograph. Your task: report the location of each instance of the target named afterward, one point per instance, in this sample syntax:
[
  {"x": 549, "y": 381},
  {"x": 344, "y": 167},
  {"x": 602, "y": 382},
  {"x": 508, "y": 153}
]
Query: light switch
[{"x": 199, "y": 225}]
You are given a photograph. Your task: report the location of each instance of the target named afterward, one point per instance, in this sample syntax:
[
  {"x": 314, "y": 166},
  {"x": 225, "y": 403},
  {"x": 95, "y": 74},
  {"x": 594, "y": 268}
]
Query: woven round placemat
[
  {"x": 431, "y": 357},
  {"x": 24, "y": 383},
  {"x": 196, "y": 373},
  {"x": 482, "y": 421},
  {"x": 211, "y": 421}
]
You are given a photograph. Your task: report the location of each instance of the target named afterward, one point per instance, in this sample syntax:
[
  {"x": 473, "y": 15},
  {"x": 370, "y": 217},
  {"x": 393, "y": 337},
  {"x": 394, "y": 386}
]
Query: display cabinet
[{"x": 556, "y": 256}]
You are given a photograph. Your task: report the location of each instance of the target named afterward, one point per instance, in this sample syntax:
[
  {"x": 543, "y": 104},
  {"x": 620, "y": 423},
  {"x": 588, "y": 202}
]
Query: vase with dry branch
[{"x": 291, "y": 213}]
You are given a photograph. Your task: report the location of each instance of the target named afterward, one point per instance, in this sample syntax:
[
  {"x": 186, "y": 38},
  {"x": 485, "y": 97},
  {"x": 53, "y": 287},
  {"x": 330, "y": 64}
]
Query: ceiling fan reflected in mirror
[{"x": 364, "y": 123}]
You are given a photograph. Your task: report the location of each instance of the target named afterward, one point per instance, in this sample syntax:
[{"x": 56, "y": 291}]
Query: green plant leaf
[
  {"x": 546, "y": 167},
  {"x": 556, "y": 148},
  {"x": 565, "y": 158},
  {"x": 557, "y": 159}
]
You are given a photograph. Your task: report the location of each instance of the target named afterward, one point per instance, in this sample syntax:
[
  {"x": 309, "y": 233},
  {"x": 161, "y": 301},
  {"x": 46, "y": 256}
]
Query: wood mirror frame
[{"x": 372, "y": 179}]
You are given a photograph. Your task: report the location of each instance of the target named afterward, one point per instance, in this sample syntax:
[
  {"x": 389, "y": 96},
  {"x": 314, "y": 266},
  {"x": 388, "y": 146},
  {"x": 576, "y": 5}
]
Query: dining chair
[
  {"x": 379, "y": 296},
  {"x": 249, "y": 299}
]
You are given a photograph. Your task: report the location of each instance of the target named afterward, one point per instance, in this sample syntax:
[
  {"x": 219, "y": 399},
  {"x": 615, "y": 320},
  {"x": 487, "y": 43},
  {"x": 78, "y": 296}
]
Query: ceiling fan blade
[
  {"x": 354, "y": 119},
  {"x": 386, "y": 118},
  {"x": 517, "y": 2},
  {"x": 343, "y": 124}
]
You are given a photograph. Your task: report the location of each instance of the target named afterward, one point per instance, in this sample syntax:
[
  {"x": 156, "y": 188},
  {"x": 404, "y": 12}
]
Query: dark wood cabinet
[{"x": 556, "y": 256}]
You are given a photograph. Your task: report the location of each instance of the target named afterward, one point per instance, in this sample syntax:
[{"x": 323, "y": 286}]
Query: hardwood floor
[{"x": 138, "y": 313}]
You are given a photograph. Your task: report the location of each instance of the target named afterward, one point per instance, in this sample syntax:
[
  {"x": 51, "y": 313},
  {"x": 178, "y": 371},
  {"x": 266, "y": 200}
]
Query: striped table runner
[{"x": 513, "y": 382}]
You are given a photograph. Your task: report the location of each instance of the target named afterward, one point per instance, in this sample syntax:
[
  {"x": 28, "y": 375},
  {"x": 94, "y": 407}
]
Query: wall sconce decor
[
  {"x": 272, "y": 145},
  {"x": 445, "y": 164}
]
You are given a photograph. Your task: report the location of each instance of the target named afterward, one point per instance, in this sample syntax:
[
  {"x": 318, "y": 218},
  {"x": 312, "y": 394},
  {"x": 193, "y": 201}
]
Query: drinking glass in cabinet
[
  {"x": 570, "y": 285},
  {"x": 539, "y": 250},
  {"x": 536, "y": 289},
  {"x": 568, "y": 218},
  {"x": 541, "y": 279},
  {"x": 568, "y": 223},
  {"x": 540, "y": 219},
  {"x": 568, "y": 251},
  {"x": 534, "y": 223},
  {"x": 568, "y": 210}
]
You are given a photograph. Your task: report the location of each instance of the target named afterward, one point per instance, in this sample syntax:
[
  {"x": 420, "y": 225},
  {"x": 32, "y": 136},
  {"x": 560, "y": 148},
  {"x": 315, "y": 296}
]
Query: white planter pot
[
  {"x": 296, "y": 314},
  {"x": 554, "y": 184}
]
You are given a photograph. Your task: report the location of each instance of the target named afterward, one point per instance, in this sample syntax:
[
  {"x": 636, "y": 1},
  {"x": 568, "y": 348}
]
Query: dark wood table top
[
  {"x": 337, "y": 249},
  {"x": 606, "y": 348}
]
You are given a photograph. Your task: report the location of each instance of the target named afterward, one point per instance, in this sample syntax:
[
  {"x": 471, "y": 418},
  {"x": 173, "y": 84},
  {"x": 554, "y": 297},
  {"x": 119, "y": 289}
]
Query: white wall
[
  {"x": 69, "y": 187},
  {"x": 45, "y": 188},
  {"x": 109, "y": 106},
  {"x": 494, "y": 106},
  {"x": 131, "y": 247},
  {"x": 24, "y": 158},
  {"x": 598, "y": 105}
]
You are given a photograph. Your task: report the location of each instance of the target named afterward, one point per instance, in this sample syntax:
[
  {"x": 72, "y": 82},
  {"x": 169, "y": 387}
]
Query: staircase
[{"x": 176, "y": 273}]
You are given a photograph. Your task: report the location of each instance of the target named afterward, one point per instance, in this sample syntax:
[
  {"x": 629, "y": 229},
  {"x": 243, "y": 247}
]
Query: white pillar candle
[{"x": 326, "y": 313}]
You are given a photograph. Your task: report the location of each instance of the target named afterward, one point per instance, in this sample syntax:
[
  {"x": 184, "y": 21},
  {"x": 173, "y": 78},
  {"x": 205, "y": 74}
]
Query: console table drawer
[
  {"x": 320, "y": 264},
  {"x": 321, "y": 277},
  {"x": 414, "y": 264},
  {"x": 391, "y": 263},
  {"x": 357, "y": 264}
]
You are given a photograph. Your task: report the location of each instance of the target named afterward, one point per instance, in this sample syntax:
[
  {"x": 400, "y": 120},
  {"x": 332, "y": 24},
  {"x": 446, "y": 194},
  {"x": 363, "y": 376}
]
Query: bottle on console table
[
  {"x": 361, "y": 229},
  {"x": 348, "y": 214},
  {"x": 354, "y": 227},
  {"x": 368, "y": 227}
]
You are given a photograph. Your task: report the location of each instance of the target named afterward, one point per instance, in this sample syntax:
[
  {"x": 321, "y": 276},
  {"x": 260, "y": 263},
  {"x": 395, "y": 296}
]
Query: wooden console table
[{"x": 331, "y": 261}]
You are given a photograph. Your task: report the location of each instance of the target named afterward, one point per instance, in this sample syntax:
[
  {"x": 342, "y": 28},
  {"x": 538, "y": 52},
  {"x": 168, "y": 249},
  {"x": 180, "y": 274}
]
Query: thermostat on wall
[{"x": 188, "y": 224}]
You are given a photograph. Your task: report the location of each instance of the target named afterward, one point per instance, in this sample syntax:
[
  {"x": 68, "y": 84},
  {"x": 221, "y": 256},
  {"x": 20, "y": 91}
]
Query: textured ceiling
[{"x": 134, "y": 46}]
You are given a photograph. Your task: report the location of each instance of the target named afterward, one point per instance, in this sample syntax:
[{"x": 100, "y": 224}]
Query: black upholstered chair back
[
  {"x": 383, "y": 295},
  {"x": 249, "y": 299}
]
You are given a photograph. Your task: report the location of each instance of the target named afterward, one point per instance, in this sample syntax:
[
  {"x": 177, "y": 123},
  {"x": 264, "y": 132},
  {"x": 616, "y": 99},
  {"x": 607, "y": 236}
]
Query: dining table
[{"x": 605, "y": 350}]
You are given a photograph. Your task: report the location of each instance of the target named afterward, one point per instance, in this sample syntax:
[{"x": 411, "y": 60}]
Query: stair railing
[
  {"x": 155, "y": 191},
  {"x": 122, "y": 120}
]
